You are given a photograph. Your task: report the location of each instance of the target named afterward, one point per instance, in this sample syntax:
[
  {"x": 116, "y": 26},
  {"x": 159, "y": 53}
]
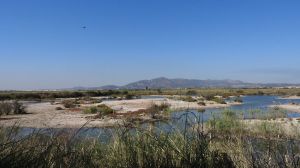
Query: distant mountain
[
  {"x": 110, "y": 87},
  {"x": 167, "y": 83},
  {"x": 186, "y": 83},
  {"x": 106, "y": 87}
]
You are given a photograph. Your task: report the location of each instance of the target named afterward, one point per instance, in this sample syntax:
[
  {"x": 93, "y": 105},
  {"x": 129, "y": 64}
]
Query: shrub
[
  {"x": 87, "y": 100},
  {"x": 58, "y": 108},
  {"x": 104, "y": 109},
  {"x": 69, "y": 103},
  {"x": 201, "y": 103},
  {"x": 260, "y": 93},
  {"x": 276, "y": 108},
  {"x": 219, "y": 100},
  {"x": 155, "y": 109},
  {"x": 91, "y": 110},
  {"x": 101, "y": 110},
  {"x": 209, "y": 97},
  {"x": 18, "y": 108},
  {"x": 191, "y": 93},
  {"x": 12, "y": 107},
  {"x": 188, "y": 99},
  {"x": 238, "y": 99},
  {"x": 240, "y": 92},
  {"x": 159, "y": 91},
  {"x": 164, "y": 106},
  {"x": 129, "y": 96},
  {"x": 5, "y": 108}
]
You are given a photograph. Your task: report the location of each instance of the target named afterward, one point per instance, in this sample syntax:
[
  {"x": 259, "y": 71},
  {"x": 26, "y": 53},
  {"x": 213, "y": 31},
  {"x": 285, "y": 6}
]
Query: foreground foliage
[{"x": 224, "y": 141}]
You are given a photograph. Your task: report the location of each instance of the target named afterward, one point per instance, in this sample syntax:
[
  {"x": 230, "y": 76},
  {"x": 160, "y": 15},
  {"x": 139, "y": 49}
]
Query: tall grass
[
  {"x": 141, "y": 148},
  {"x": 226, "y": 142}
]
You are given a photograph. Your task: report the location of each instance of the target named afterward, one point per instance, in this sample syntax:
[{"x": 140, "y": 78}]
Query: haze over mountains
[{"x": 167, "y": 83}]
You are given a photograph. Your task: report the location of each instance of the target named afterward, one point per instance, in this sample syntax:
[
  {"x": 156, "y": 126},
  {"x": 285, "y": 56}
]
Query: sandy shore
[
  {"x": 137, "y": 104},
  {"x": 44, "y": 114},
  {"x": 290, "y": 97},
  {"x": 290, "y": 107}
]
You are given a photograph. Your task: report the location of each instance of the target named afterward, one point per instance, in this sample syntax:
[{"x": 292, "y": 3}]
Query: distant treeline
[
  {"x": 206, "y": 92},
  {"x": 27, "y": 95}
]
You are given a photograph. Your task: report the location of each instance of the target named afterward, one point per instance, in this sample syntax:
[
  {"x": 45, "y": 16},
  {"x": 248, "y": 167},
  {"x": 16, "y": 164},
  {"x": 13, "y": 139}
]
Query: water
[
  {"x": 179, "y": 118},
  {"x": 261, "y": 103}
]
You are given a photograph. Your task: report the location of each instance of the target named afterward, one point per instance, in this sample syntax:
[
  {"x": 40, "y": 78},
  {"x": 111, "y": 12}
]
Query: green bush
[
  {"x": 91, "y": 110},
  {"x": 209, "y": 97},
  {"x": 129, "y": 96},
  {"x": 188, "y": 99},
  {"x": 69, "y": 103},
  {"x": 260, "y": 93},
  {"x": 101, "y": 109},
  {"x": 155, "y": 109},
  {"x": 240, "y": 92},
  {"x": 104, "y": 109},
  {"x": 219, "y": 100},
  {"x": 191, "y": 93}
]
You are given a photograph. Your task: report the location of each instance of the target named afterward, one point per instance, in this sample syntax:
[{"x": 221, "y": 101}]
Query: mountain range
[{"x": 166, "y": 83}]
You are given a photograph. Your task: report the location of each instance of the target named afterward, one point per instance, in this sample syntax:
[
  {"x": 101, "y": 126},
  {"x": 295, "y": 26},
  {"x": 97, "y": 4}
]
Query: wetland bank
[
  {"x": 151, "y": 128},
  {"x": 73, "y": 109}
]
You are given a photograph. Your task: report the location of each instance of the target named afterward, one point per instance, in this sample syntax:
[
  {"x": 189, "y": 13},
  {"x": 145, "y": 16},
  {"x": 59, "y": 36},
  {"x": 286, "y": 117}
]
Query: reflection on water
[{"x": 261, "y": 103}]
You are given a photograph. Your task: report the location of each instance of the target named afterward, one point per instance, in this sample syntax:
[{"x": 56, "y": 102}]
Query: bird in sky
[{"x": 83, "y": 27}]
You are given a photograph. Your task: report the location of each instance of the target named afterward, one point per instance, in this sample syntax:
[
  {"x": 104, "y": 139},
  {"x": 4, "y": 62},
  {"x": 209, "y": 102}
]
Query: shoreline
[
  {"x": 289, "y": 97},
  {"x": 290, "y": 107},
  {"x": 44, "y": 114}
]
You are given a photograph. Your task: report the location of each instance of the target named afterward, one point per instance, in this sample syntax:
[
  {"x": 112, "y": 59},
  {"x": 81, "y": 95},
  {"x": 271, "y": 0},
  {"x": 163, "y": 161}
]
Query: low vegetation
[
  {"x": 226, "y": 142},
  {"x": 238, "y": 99},
  {"x": 201, "y": 103},
  {"x": 205, "y": 92},
  {"x": 188, "y": 99},
  {"x": 70, "y": 103},
  {"x": 13, "y": 107},
  {"x": 219, "y": 100},
  {"x": 155, "y": 109},
  {"x": 58, "y": 108},
  {"x": 101, "y": 110}
]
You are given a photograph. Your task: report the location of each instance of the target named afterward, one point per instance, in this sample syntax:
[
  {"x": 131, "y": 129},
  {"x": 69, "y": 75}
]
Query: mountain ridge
[{"x": 167, "y": 83}]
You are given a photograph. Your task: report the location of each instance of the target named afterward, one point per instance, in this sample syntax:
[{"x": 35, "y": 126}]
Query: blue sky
[{"x": 42, "y": 44}]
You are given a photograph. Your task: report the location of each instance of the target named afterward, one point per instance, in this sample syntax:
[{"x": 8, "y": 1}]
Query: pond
[
  {"x": 178, "y": 118},
  {"x": 261, "y": 103}
]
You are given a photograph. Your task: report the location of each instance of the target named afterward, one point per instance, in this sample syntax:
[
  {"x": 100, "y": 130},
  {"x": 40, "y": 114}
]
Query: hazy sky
[{"x": 43, "y": 44}]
